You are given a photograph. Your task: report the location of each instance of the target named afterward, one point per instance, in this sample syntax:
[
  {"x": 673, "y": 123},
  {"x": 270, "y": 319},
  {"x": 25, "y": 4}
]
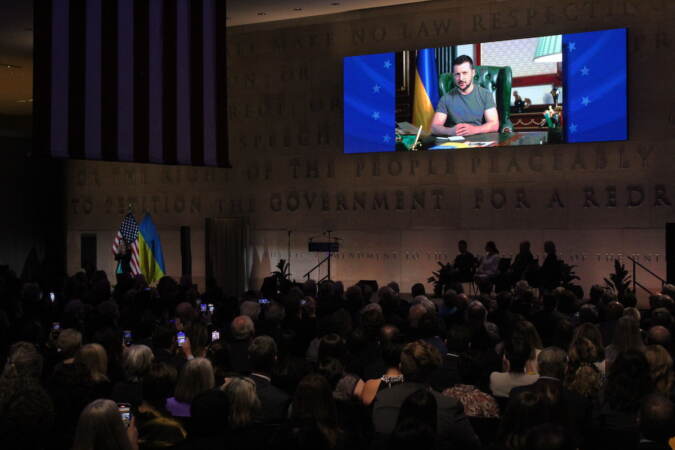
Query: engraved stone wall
[{"x": 400, "y": 213}]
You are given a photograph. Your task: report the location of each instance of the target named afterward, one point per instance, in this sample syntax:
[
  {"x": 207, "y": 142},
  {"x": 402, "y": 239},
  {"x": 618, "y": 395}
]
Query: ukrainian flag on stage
[
  {"x": 426, "y": 89},
  {"x": 150, "y": 251}
]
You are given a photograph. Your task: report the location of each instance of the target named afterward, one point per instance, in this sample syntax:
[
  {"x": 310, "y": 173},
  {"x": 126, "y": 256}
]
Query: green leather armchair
[{"x": 496, "y": 80}]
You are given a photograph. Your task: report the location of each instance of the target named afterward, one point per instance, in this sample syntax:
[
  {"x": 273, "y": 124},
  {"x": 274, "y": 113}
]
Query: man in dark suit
[
  {"x": 242, "y": 332},
  {"x": 570, "y": 409},
  {"x": 274, "y": 402},
  {"x": 418, "y": 361},
  {"x": 457, "y": 342},
  {"x": 657, "y": 417}
]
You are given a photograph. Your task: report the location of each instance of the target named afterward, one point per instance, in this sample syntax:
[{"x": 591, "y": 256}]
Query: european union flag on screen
[
  {"x": 595, "y": 106},
  {"x": 369, "y": 103}
]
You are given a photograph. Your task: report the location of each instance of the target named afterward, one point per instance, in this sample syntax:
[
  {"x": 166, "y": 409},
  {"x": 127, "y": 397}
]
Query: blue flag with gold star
[
  {"x": 596, "y": 88},
  {"x": 369, "y": 103}
]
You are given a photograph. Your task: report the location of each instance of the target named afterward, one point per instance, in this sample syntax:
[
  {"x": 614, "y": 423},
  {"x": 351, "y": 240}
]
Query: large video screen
[{"x": 565, "y": 88}]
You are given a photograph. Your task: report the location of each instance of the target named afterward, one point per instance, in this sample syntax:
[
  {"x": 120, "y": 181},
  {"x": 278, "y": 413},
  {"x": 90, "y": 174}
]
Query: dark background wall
[{"x": 32, "y": 201}]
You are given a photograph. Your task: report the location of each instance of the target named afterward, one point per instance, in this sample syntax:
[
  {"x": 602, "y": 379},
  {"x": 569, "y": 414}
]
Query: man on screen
[{"x": 468, "y": 108}]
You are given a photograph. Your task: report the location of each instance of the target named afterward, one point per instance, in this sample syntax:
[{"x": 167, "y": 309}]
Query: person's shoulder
[
  {"x": 520, "y": 389},
  {"x": 445, "y": 401},
  {"x": 279, "y": 393},
  {"x": 482, "y": 90},
  {"x": 394, "y": 394},
  {"x": 484, "y": 94}
]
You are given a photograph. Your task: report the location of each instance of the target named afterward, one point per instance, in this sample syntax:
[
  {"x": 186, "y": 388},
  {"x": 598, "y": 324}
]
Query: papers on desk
[
  {"x": 481, "y": 144},
  {"x": 465, "y": 144},
  {"x": 451, "y": 138}
]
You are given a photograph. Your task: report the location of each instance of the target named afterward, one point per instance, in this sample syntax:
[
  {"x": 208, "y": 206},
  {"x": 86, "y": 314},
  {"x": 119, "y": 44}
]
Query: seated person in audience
[
  {"x": 377, "y": 367},
  {"x": 313, "y": 420},
  {"x": 549, "y": 437},
  {"x": 391, "y": 355},
  {"x": 615, "y": 423},
  {"x": 195, "y": 377},
  {"x": 517, "y": 351},
  {"x": 465, "y": 263},
  {"x": 464, "y": 373},
  {"x": 274, "y": 402},
  {"x": 583, "y": 375},
  {"x": 468, "y": 108},
  {"x": 526, "y": 410},
  {"x": 571, "y": 410},
  {"x": 594, "y": 336},
  {"x": 69, "y": 387},
  {"x": 660, "y": 369},
  {"x": 209, "y": 422},
  {"x": 244, "y": 406},
  {"x": 137, "y": 362},
  {"x": 346, "y": 385},
  {"x": 243, "y": 332},
  {"x": 659, "y": 335},
  {"x": 26, "y": 412},
  {"x": 416, "y": 423},
  {"x": 23, "y": 361},
  {"x": 657, "y": 422},
  {"x": 101, "y": 422},
  {"x": 418, "y": 361},
  {"x": 156, "y": 427},
  {"x": 527, "y": 331},
  {"x": 627, "y": 336},
  {"x": 95, "y": 359}
]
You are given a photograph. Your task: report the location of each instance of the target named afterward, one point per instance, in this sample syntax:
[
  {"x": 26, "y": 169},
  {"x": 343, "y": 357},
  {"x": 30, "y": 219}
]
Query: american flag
[
  {"x": 129, "y": 233},
  {"x": 131, "y": 80}
]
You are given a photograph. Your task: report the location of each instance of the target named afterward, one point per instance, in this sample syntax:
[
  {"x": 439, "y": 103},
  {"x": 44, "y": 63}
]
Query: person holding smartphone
[{"x": 102, "y": 421}]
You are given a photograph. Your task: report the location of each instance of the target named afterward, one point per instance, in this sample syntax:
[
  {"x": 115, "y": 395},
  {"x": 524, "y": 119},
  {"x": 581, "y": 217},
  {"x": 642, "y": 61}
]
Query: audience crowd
[{"x": 318, "y": 366}]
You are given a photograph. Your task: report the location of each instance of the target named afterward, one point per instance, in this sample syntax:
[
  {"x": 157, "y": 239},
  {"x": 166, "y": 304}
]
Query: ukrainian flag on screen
[
  {"x": 426, "y": 89},
  {"x": 150, "y": 254}
]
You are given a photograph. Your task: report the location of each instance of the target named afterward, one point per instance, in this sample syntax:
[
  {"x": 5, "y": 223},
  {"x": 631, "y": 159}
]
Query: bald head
[
  {"x": 185, "y": 312},
  {"x": 656, "y": 418},
  {"x": 388, "y": 333},
  {"x": 242, "y": 328},
  {"x": 415, "y": 314},
  {"x": 659, "y": 335}
]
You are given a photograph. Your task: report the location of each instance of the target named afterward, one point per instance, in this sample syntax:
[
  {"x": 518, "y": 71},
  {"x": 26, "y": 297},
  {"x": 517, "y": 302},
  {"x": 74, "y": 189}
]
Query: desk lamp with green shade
[{"x": 549, "y": 49}]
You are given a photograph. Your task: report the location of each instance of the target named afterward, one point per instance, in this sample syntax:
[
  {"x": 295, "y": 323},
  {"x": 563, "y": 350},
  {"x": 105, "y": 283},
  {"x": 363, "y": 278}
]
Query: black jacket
[
  {"x": 273, "y": 401},
  {"x": 453, "y": 427}
]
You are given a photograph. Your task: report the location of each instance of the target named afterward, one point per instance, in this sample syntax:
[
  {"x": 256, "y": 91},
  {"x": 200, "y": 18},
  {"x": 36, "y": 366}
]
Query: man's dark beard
[{"x": 467, "y": 86}]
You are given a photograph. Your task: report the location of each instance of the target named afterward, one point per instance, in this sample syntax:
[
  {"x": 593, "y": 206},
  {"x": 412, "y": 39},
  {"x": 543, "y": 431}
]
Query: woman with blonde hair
[
  {"x": 627, "y": 336},
  {"x": 660, "y": 369},
  {"x": 196, "y": 377},
  {"x": 95, "y": 359},
  {"x": 244, "y": 401},
  {"x": 100, "y": 427}
]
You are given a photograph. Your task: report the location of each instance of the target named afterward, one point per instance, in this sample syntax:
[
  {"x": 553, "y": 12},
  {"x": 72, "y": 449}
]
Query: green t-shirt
[{"x": 468, "y": 108}]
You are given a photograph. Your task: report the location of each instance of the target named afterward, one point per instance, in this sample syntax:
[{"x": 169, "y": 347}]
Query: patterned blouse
[{"x": 476, "y": 403}]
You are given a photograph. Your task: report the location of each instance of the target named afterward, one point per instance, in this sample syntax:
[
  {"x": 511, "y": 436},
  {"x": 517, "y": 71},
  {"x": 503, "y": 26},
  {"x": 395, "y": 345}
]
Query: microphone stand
[{"x": 289, "y": 254}]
